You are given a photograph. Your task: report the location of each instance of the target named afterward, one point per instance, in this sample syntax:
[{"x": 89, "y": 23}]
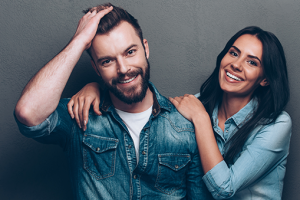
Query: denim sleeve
[
  {"x": 56, "y": 129},
  {"x": 268, "y": 148},
  {"x": 196, "y": 189}
]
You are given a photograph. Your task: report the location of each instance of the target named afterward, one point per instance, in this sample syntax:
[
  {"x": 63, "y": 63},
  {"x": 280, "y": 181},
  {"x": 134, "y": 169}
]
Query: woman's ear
[{"x": 264, "y": 82}]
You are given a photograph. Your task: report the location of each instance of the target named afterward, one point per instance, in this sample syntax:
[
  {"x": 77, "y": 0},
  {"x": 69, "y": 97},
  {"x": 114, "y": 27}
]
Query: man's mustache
[{"x": 128, "y": 74}]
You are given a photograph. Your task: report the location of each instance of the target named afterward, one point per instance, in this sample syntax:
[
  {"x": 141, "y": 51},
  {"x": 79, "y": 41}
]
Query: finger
[
  {"x": 75, "y": 110},
  {"x": 178, "y": 99},
  {"x": 174, "y": 101},
  {"x": 96, "y": 105},
  {"x": 103, "y": 12},
  {"x": 80, "y": 110},
  {"x": 85, "y": 113},
  {"x": 70, "y": 108}
]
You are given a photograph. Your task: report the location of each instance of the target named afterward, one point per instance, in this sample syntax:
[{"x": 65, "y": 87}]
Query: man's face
[{"x": 121, "y": 61}]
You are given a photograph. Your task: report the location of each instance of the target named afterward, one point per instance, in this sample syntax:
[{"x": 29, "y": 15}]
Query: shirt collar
[
  {"x": 239, "y": 118},
  {"x": 159, "y": 101}
]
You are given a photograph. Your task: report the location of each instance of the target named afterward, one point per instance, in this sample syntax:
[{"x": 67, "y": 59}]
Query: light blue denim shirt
[
  {"x": 103, "y": 163},
  {"x": 258, "y": 170}
]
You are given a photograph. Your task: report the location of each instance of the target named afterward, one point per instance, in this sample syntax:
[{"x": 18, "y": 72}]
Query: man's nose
[{"x": 122, "y": 65}]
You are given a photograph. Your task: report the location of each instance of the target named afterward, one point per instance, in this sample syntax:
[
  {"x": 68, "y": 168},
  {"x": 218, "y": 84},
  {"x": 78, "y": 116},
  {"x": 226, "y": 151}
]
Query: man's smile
[{"x": 128, "y": 80}]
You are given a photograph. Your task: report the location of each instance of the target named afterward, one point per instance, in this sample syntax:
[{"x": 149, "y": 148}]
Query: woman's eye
[
  {"x": 252, "y": 63},
  {"x": 233, "y": 53}
]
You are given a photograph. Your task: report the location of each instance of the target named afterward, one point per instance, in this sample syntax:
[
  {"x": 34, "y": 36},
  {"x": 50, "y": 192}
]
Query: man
[{"x": 104, "y": 165}]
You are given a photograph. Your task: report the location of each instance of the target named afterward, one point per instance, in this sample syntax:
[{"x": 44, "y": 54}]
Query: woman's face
[{"x": 241, "y": 70}]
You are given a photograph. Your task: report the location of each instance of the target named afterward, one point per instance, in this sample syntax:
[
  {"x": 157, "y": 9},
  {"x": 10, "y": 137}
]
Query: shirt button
[
  {"x": 98, "y": 149},
  {"x": 134, "y": 176},
  {"x": 143, "y": 152},
  {"x": 129, "y": 146},
  {"x": 226, "y": 131},
  {"x": 176, "y": 166}
]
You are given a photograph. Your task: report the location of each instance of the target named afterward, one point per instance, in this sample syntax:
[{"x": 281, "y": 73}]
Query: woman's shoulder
[
  {"x": 284, "y": 118},
  {"x": 280, "y": 130}
]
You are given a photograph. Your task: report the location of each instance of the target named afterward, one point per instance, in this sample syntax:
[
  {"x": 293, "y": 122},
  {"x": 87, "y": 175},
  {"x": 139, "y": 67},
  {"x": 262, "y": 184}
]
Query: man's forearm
[{"x": 42, "y": 94}]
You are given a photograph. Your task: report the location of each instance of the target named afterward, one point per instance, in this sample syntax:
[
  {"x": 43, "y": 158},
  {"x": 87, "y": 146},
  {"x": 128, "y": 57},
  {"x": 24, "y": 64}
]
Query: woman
[{"x": 242, "y": 132}]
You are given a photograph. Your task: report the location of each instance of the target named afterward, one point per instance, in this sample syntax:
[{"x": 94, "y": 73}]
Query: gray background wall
[{"x": 184, "y": 37}]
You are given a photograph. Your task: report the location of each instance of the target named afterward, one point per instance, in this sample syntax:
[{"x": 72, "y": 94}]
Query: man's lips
[{"x": 128, "y": 80}]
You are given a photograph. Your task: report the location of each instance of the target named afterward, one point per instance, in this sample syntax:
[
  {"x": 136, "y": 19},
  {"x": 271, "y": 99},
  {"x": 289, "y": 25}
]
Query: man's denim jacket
[{"x": 103, "y": 161}]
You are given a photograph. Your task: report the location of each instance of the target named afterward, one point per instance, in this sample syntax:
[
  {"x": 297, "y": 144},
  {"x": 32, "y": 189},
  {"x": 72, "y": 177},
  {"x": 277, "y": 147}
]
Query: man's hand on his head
[{"x": 88, "y": 25}]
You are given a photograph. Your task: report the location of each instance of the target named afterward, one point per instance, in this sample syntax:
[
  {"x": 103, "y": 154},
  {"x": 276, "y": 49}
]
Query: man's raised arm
[{"x": 42, "y": 93}]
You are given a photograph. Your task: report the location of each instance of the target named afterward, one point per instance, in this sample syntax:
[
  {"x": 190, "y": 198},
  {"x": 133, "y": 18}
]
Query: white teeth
[
  {"x": 233, "y": 76},
  {"x": 127, "y": 81}
]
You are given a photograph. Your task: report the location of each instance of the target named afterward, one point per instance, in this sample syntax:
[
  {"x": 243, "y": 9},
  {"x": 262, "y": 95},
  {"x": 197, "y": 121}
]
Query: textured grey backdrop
[{"x": 184, "y": 37}]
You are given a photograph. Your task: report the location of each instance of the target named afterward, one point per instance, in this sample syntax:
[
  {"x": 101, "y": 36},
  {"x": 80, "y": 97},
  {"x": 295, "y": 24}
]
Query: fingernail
[{"x": 84, "y": 122}]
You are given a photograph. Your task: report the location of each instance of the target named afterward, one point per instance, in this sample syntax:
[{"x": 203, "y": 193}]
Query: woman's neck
[{"x": 229, "y": 106}]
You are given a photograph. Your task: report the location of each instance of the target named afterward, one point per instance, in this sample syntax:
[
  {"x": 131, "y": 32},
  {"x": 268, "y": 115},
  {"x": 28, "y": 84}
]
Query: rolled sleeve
[
  {"x": 40, "y": 130},
  {"x": 266, "y": 148},
  {"x": 56, "y": 129},
  {"x": 216, "y": 178}
]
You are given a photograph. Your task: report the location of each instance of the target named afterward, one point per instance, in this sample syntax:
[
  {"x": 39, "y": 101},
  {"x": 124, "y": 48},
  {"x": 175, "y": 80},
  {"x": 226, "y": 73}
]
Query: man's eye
[
  {"x": 105, "y": 62},
  {"x": 130, "y": 52}
]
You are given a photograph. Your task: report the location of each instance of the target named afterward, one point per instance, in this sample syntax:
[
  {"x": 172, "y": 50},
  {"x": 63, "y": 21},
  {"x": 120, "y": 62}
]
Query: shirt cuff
[
  {"x": 197, "y": 95},
  {"x": 216, "y": 177},
  {"x": 42, "y": 129}
]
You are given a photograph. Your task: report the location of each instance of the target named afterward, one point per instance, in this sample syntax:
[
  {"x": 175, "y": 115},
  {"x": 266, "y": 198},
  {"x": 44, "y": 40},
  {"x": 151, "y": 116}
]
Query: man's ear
[
  {"x": 146, "y": 46},
  {"x": 95, "y": 68},
  {"x": 264, "y": 82}
]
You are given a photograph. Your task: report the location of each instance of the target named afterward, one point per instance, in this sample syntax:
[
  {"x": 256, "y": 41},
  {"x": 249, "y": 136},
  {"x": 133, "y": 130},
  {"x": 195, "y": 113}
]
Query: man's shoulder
[{"x": 177, "y": 121}]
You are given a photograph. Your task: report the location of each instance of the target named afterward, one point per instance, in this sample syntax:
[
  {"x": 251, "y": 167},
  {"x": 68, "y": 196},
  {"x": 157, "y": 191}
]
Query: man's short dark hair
[{"x": 113, "y": 19}]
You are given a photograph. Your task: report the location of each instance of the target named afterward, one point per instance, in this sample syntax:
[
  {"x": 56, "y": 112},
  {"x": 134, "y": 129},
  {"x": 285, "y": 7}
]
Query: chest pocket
[
  {"x": 99, "y": 155},
  {"x": 171, "y": 171}
]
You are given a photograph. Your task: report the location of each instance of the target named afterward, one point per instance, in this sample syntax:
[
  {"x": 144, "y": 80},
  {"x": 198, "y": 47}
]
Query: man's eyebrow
[
  {"x": 110, "y": 58},
  {"x": 250, "y": 56},
  {"x": 104, "y": 58},
  {"x": 134, "y": 45}
]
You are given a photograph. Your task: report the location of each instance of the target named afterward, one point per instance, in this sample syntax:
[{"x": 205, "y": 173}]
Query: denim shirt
[
  {"x": 258, "y": 170},
  {"x": 103, "y": 163}
]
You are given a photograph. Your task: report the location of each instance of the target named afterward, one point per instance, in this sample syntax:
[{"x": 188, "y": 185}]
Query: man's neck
[{"x": 138, "y": 107}]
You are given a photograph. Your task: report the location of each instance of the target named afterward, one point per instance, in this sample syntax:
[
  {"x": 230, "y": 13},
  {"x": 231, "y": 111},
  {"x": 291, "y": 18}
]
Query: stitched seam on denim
[
  {"x": 93, "y": 173},
  {"x": 145, "y": 163},
  {"x": 48, "y": 122},
  {"x": 162, "y": 190},
  {"x": 175, "y": 127},
  {"x": 131, "y": 185},
  {"x": 177, "y": 155},
  {"x": 158, "y": 175},
  {"x": 101, "y": 138}
]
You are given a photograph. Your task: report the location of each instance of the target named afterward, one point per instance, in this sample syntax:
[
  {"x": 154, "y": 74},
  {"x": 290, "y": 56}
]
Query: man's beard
[{"x": 133, "y": 96}]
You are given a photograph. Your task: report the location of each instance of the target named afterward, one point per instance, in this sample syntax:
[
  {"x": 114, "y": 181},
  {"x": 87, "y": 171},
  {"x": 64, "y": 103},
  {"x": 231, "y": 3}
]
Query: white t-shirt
[{"x": 135, "y": 122}]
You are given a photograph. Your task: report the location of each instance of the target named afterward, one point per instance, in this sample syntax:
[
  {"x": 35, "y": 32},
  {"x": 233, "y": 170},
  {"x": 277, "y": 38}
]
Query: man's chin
[{"x": 131, "y": 97}]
